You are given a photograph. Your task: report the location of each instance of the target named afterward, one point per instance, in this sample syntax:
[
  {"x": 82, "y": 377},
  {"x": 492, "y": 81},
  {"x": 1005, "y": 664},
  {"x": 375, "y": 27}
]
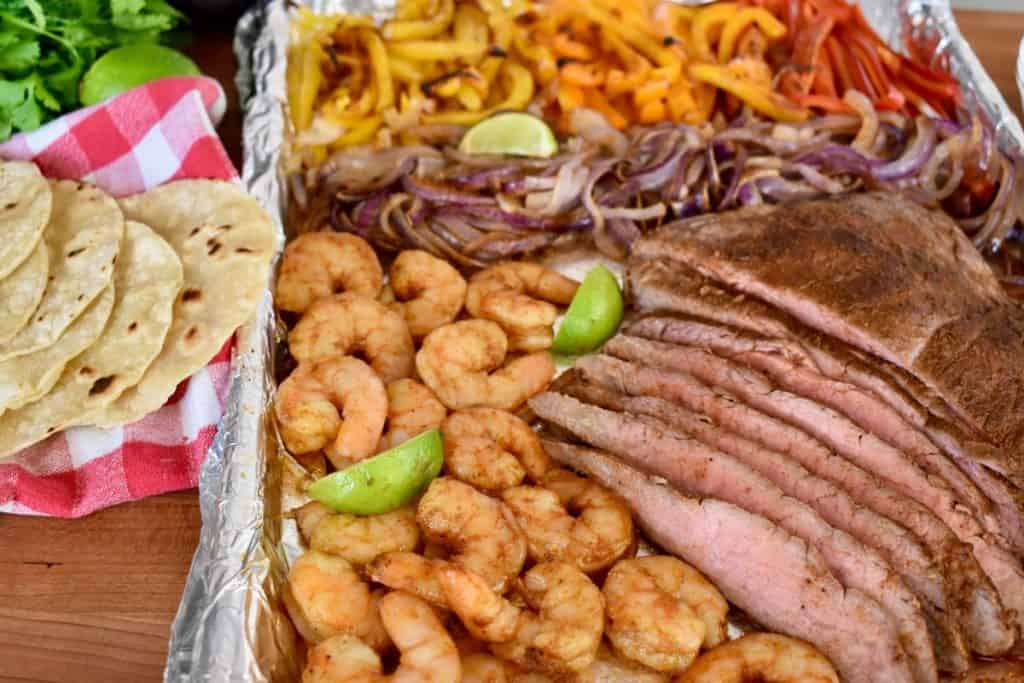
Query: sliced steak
[
  {"x": 977, "y": 606},
  {"x": 700, "y": 470},
  {"x": 861, "y": 407},
  {"x": 665, "y": 286},
  {"x": 897, "y": 546},
  {"x": 848, "y": 440},
  {"x": 886, "y": 276},
  {"x": 777, "y": 578}
]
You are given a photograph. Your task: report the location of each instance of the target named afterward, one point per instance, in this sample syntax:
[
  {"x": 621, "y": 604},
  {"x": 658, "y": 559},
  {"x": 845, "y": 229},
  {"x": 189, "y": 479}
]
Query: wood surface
[{"x": 91, "y": 600}]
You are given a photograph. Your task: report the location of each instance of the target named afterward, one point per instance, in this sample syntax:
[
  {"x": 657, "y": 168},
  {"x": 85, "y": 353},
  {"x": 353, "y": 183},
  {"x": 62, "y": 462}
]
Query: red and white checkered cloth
[{"x": 155, "y": 133}]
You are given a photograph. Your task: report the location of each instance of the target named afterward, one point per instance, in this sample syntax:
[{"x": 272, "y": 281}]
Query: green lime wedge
[
  {"x": 130, "y": 66},
  {"x": 593, "y": 315},
  {"x": 384, "y": 482},
  {"x": 512, "y": 133}
]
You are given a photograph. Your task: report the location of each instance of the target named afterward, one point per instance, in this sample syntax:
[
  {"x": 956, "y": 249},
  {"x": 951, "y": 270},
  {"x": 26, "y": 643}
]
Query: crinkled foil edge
[{"x": 231, "y": 625}]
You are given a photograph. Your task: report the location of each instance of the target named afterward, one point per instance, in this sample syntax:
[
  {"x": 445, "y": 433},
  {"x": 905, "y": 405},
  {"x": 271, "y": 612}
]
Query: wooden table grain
[{"x": 91, "y": 600}]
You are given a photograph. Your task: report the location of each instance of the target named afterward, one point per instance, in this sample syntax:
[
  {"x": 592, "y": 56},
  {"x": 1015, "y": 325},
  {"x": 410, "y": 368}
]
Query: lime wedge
[
  {"x": 512, "y": 133},
  {"x": 384, "y": 482},
  {"x": 593, "y": 315},
  {"x": 130, "y": 66}
]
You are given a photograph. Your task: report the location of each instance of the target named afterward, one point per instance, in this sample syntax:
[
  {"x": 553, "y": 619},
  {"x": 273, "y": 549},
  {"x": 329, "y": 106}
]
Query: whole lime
[{"x": 132, "y": 65}]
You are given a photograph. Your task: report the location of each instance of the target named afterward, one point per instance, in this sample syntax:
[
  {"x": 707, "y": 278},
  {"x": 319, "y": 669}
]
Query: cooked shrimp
[
  {"x": 608, "y": 667},
  {"x": 360, "y": 539},
  {"x": 481, "y": 667},
  {"x": 462, "y": 364},
  {"x": 325, "y": 597},
  {"x": 492, "y": 449},
  {"x": 520, "y": 297},
  {"x": 600, "y": 534},
  {"x": 428, "y": 654},
  {"x": 410, "y": 572},
  {"x": 318, "y": 264},
  {"x": 412, "y": 410},
  {"x": 347, "y": 324},
  {"x": 767, "y": 657},
  {"x": 480, "y": 532},
  {"x": 307, "y": 408},
  {"x": 558, "y": 630},
  {"x": 650, "y": 617},
  {"x": 429, "y": 292},
  {"x": 309, "y": 516}
]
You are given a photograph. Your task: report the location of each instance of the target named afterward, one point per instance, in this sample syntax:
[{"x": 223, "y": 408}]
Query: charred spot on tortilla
[
  {"x": 102, "y": 384},
  {"x": 244, "y": 250},
  {"x": 11, "y": 205},
  {"x": 134, "y": 326},
  {"x": 195, "y": 231},
  {"x": 213, "y": 245},
  {"x": 191, "y": 294},
  {"x": 75, "y": 252}
]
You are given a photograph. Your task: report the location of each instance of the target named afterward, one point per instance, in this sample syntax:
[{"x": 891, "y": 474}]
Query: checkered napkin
[{"x": 155, "y": 133}]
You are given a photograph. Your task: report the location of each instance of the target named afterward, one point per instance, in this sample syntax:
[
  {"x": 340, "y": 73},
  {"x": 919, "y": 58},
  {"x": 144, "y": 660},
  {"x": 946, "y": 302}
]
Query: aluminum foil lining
[{"x": 231, "y": 624}]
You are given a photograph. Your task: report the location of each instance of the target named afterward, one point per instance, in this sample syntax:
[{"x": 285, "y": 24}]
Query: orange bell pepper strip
[
  {"x": 581, "y": 75},
  {"x": 808, "y": 45},
  {"x": 564, "y": 46},
  {"x": 827, "y": 103},
  {"x": 596, "y": 100},
  {"x": 840, "y": 65},
  {"x": 760, "y": 99}
]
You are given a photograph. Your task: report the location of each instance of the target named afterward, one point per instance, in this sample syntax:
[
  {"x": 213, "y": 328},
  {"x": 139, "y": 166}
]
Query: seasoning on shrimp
[
  {"x": 318, "y": 264},
  {"x": 574, "y": 520},
  {"x": 361, "y": 539},
  {"x": 559, "y": 630},
  {"x": 479, "y": 531},
  {"x": 325, "y": 597},
  {"x": 521, "y": 297},
  {"x": 412, "y": 410},
  {"x": 462, "y": 364},
  {"x": 308, "y": 403},
  {"x": 492, "y": 449},
  {"x": 427, "y": 651},
  {"x": 661, "y": 611},
  {"x": 347, "y": 324},
  {"x": 429, "y": 292},
  {"x": 410, "y": 572},
  {"x": 767, "y": 657}
]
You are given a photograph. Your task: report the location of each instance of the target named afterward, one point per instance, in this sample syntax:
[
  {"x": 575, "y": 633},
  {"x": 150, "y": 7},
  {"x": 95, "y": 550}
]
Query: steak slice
[
  {"x": 898, "y": 547},
  {"x": 848, "y": 440},
  {"x": 976, "y": 604},
  {"x": 886, "y": 276},
  {"x": 664, "y": 286},
  {"x": 775, "y": 577},
  {"x": 697, "y": 469},
  {"x": 861, "y": 407}
]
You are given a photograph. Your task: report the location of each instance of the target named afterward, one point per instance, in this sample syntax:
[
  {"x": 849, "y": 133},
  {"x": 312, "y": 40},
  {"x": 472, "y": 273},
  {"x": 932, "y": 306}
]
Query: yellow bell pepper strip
[
  {"x": 381, "y": 71},
  {"x": 765, "y": 101},
  {"x": 359, "y": 133},
  {"x": 304, "y": 78},
  {"x": 438, "y": 49},
  {"x": 772, "y": 28},
  {"x": 520, "y": 92},
  {"x": 419, "y": 29},
  {"x": 705, "y": 22}
]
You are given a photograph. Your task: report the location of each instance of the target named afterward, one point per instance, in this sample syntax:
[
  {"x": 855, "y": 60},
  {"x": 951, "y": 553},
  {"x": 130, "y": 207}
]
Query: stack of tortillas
[{"x": 106, "y": 305}]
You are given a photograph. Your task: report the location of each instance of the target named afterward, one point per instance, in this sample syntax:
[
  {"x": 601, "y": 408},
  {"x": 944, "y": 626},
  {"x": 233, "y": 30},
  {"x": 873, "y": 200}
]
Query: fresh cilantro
[{"x": 47, "y": 45}]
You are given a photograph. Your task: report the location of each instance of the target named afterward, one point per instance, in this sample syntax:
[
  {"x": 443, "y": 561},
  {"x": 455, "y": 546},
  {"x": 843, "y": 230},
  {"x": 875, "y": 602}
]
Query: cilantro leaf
[{"x": 19, "y": 56}]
